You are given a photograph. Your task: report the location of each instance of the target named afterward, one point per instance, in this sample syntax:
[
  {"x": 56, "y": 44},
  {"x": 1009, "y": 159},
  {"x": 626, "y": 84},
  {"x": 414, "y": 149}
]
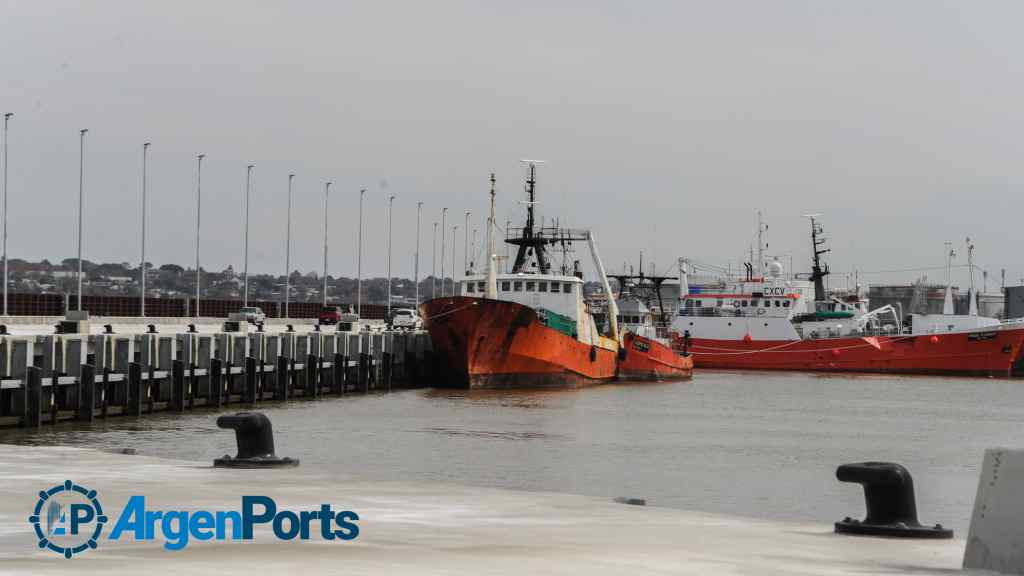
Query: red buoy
[
  {"x": 934, "y": 339},
  {"x": 747, "y": 337},
  {"x": 835, "y": 352}
]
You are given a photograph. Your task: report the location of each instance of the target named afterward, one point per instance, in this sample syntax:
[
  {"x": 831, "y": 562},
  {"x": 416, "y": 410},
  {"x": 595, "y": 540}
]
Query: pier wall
[{"x": 51, "y": 378}]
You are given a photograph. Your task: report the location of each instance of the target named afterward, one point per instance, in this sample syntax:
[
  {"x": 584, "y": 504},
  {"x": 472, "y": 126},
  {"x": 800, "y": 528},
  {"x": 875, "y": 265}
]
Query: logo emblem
[{"x": 68, "y": 519}]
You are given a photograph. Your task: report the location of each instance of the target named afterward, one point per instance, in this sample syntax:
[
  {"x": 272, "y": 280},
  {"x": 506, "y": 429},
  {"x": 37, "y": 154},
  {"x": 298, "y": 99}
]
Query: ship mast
[
  {"x": 818, "y": 270},
  {"x": 492, "y": 276},
  {"x": 530, "y": 241}
]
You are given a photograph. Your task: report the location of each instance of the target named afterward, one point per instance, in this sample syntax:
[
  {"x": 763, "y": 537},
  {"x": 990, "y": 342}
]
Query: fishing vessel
[
  {"x": 531, "y": 327},
  {"x": 770, "y": 321},
  {"x": 647, "y": 352}
]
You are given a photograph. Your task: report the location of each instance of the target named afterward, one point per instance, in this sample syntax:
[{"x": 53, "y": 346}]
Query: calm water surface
[{"x": 753, "y": 444}]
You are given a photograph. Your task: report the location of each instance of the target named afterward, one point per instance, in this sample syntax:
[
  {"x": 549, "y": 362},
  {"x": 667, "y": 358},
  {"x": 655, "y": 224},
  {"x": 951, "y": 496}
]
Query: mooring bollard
[
  {"x": 87, "y": 393},
  {"x": 889, "y": 498},
  {"x": 255, "y": 438}
]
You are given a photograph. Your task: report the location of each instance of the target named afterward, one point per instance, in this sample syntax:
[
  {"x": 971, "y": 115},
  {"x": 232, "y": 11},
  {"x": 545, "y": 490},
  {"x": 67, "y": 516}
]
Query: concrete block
[{"x": 996, "y": 538}]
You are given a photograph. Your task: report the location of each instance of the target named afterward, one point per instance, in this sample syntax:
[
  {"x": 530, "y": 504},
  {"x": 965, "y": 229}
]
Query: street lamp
[
  {"x": 454, "y": 292},
  {"x": 288, "y": 249},
  {"x": 245, "y": 257},
  {"x": 142, "y": 263},
  {"x": 416, "y": 267},
  {"x": 465, "y": 247},
  {"x": 199, "y": 206},
  {"x": 7, "y": 117},
  {"x": 81, "y": 196},
  {"x": 433, "y": 264},
  {"x": 391, "y": 202},
  {"x": 327, "y": 192},
  {"x": 359, "y": 259},
  {"x": 444, "y": 212}
]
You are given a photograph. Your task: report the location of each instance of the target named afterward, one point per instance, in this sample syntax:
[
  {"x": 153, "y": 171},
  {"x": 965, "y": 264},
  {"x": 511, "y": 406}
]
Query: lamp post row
[{"x": 199, "y": 195}]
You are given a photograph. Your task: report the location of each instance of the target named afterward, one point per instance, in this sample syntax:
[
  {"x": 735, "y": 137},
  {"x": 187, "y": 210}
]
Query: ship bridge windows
[
  {"x": 469, "y": 288},
  {"x": 542, "y": 286},
  {"x": 505, "y": 285},
  {"x": 481, "y": 286},
  {"x": 555, "y": 286},
  {"x": 567, "y": 288},
  {"x": 785, "y": 304},
  {"x": 531, "y": 286}
]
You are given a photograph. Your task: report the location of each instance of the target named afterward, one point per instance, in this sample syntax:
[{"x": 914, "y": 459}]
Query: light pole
[
  {"x": 245, "y": 257},
  {"x": 433, "y": 264},
  {"x": 7, "y": 117},
  {"x": 454, "y": 291},
  {"x": 359, "y": 259},
  {"x": 327, "y": 192},
  {"x": 465, "y": 247},
  {"x": 416, "y": 267},
  {"x": 142, "y": 263},
  {"x": 81, "y": 196},
  {"x": 444, "y": 212},
  {"x": 391, "y": 202},
  {"x": 199, "y": 206},
  {"x": 288, "y": 249}
]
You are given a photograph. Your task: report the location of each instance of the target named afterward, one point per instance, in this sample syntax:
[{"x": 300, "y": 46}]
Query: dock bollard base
[
  {"x": 896, "y": 530},
  {"x": 255, "y": 462}
]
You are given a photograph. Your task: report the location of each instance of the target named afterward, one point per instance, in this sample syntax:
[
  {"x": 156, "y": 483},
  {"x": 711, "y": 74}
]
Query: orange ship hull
[
  {"x": 646, "y": 359},
  {"x": 486, "y": 343},
  {"x": 979, "y": 353}
]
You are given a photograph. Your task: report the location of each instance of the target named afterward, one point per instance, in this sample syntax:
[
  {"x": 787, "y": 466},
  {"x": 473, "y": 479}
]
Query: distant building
[{"x": 920, "y": 298}]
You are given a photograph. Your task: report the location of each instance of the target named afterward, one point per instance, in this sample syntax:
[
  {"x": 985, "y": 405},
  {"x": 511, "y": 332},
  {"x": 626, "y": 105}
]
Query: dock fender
[{"x": 593, "y": 353}]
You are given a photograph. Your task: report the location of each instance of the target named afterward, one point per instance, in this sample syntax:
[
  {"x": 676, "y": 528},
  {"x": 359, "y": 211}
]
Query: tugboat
[
  {"x": 532, "y": 327},
  {"x": 767, "y": 321}
]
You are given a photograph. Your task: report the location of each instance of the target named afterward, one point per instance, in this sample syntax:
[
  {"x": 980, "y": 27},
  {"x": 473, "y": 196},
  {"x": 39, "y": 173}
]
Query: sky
[{"x": 665, "y": 127}]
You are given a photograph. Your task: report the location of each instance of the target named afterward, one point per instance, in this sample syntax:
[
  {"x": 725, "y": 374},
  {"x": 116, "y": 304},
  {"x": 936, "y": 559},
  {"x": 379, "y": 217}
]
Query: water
[{"x": 752, "y": 444}]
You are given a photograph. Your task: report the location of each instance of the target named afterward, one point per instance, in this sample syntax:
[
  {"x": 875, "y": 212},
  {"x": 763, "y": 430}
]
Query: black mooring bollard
[
  {"x": 255, "y": 438},
  {"x": 889, "y": 497}
]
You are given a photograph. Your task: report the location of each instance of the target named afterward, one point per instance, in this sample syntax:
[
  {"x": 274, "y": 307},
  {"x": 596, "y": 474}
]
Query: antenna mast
[{"x": 818, "y": 270}]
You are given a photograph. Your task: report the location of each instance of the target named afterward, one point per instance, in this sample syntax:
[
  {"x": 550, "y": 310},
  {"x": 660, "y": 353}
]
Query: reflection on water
[{"x": 754, "y": 444}]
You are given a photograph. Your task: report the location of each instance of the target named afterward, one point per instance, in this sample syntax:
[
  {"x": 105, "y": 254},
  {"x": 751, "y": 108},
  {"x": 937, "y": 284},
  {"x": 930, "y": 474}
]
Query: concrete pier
[
  {"x": 54, "y": 377},
  {"x": 417, "y": 528}
]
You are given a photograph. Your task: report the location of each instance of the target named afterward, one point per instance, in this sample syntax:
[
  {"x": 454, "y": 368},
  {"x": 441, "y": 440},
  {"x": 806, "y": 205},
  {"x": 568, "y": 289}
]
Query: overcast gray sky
[{"x": 665, "y": 125}]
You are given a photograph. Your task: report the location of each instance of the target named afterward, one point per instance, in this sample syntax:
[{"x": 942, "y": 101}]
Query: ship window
[
  {"x": 785, "y": 304},
  {"x": 480, "y": 286},
  {"x": 777, "y": 303},
  {"x": 531, "y": 286},
  {"x": 542, "y": 286},
  {"x": 746, "y": 303},
  {"x": 517, "y": 286},
  {"x": 753, "y": 303},
  {"x": 554, "y": 286},
  {"x": 700, "y": 304},
  {"x": 567, "y": 288},
  {"x": 469, "y": 287},
  {"x": 505, "y": 286}
]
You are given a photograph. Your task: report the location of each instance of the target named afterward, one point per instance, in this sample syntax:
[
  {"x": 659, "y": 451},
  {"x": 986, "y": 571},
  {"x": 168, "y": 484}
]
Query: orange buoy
[{"x": 747, "y": 338}]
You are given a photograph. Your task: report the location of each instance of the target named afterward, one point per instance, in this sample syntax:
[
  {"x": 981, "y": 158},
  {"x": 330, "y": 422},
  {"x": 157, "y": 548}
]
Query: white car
[
  {"x": 406, "y": 319},
  {"x": 253, "y": 315}
]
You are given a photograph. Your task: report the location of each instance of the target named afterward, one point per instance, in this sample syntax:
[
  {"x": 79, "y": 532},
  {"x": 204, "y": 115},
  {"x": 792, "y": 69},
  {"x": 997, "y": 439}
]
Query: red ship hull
[
  {"x": 486, "y": 343},
  {"x": 979, "y": 353},
  {"x": 646, "y": 359}
]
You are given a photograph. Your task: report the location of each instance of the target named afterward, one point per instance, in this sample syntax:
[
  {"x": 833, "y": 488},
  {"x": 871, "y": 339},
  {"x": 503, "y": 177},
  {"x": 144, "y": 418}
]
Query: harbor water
[{"x": 742, "y": 443}]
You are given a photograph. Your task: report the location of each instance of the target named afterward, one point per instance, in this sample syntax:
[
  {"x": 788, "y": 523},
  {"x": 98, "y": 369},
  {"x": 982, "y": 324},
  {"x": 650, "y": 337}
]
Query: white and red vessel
[{"x": 765, "y": 320}]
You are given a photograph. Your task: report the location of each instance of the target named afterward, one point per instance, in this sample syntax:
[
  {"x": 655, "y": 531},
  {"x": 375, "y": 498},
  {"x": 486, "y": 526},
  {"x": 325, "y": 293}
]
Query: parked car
[
  {"x": 253, "y": 315},
  {"x": 330, "y": 315},
  {"x": 406, "y": 319},
  {"x": 349, "y": 323}
]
